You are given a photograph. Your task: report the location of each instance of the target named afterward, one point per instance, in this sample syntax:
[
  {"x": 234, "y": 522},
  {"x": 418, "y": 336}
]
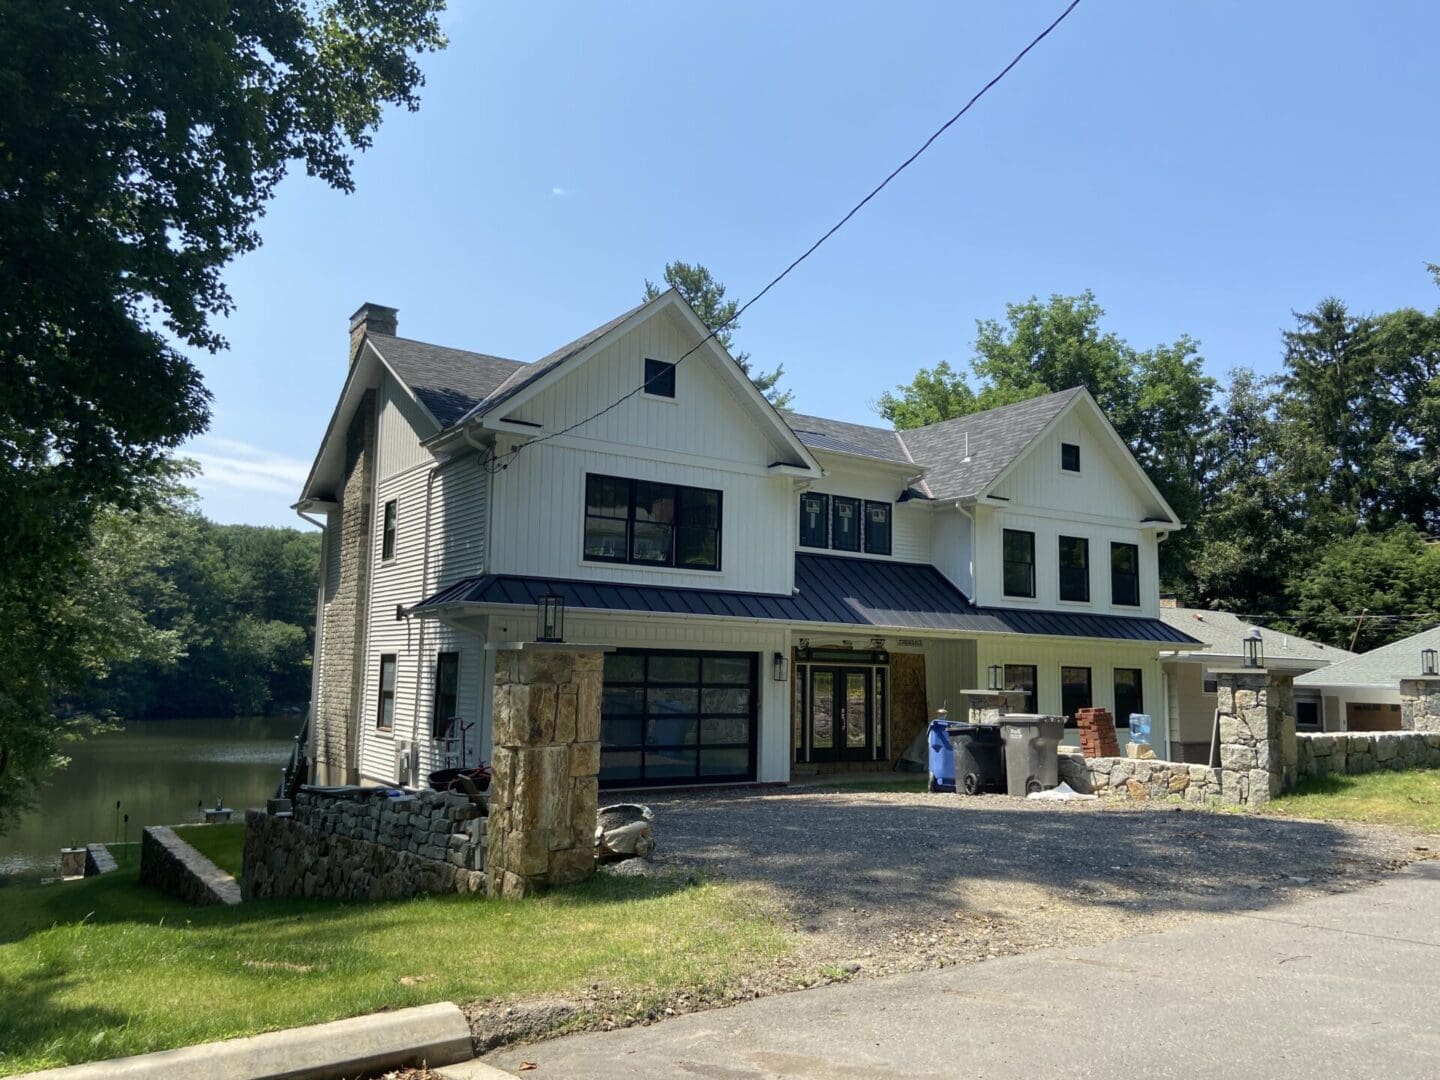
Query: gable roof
[
  {"x": 1223, "y": 633},
  {"x": 1384, "y": 666},
  {"x": 448, "y": 382},
  {"x": 861, "y": 440}
]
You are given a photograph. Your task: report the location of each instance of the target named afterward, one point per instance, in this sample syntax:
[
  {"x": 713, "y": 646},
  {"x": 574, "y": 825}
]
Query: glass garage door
[{"x": 678, "y": 718}]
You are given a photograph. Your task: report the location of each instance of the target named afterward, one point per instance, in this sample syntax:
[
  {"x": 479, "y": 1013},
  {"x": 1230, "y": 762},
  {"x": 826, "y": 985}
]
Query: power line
[{"x": 815, "y": 246}]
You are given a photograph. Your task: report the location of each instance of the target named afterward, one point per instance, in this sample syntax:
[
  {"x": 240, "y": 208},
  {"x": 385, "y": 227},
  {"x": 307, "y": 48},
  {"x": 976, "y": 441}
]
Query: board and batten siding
[{"x": 910, "y": 523}]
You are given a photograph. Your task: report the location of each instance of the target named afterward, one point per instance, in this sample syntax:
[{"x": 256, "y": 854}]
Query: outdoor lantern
[
  {"x": 1254, "y": 650},
  {"x": 550, "y": 618},
  {"x": 997, "y": 674},
  {"x": 780, "y": 667},
  {"x": 1427, "y": 661}
]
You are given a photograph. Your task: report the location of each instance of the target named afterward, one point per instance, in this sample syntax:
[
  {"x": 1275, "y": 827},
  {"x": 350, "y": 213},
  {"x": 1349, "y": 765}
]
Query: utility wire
[{"x": 815, "y": 246}]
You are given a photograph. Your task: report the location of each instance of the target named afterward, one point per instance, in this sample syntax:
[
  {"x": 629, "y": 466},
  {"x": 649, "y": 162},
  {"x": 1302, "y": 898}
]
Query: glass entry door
[{"x": 842, "y": 714}]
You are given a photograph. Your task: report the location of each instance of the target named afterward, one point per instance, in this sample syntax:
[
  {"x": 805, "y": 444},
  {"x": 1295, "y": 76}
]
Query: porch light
[
  {"x": 1254, "y": 649},
  {"x": 997, "y": 677},
  {"x": 780, "y": 667},
  {"x": 1427, "y": 661},
  {"x": 550, "y": 618}
]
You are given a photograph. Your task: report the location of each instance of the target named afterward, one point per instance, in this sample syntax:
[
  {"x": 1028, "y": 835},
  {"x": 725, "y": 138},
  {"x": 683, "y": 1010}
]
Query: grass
[
  {"x": 1389, "y": 798},
  {"x": 105, "y": 967},
  {"x": 221, "y": 844}
]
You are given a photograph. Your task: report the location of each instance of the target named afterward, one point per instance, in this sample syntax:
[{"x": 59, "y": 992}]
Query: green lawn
[
  {"x": 1389, "y": 798},
  {"x": 221, "y": 844},
  {"x": 105, "y": 967}
]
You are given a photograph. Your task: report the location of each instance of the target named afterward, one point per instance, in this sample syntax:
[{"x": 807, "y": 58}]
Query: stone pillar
[
  {"x": 1259, "y": 757},
  {"x": 545, "y": 767},
  {"x": 988, "y": 706},
  {"x": 1420, "y": 703}
]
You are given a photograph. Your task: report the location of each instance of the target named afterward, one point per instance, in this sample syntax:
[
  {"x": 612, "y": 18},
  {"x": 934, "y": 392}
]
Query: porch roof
[{"x": 829, "y": 589}]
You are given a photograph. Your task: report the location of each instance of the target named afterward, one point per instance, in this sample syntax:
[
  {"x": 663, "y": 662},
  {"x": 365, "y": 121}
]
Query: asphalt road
[{"x": 1340, "y": 986}]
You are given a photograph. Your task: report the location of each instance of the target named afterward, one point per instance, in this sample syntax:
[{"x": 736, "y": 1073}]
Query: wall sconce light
[
  {"x": 550, "y": 618},
  {"x": 997, "y": 676},
  {"x": 780, "y": 667},
  {"x": 1254, "y": 649},
  {"x": 1428, "y": 661}
]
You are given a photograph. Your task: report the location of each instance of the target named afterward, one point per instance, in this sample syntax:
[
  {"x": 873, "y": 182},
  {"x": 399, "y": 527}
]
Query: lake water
[{"x": 159, "y": 771}]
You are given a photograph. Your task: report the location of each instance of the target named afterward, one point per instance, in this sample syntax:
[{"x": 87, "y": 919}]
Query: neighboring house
[
  {"x": 1363, "y": 692},
  {"x": 782, "y": 592},
  {"x": 1190, "y": 688}
]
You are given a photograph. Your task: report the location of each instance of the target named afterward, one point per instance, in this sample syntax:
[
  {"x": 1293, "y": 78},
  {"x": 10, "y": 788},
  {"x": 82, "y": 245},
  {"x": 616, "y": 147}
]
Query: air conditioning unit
[{"x": 406, "y": 764}]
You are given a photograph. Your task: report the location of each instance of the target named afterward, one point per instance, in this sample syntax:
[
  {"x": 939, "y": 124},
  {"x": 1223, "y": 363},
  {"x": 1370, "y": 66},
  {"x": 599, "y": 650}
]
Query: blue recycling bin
[{"x": 942, "y": 756}]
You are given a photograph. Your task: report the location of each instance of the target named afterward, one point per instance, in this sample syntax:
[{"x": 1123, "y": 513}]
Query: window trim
[
  {"x": 647, "y": 379},
  {"x": 1005, "y": 565},
  {"x": 628, "y": 559},
  {"x": 1065, "y": 468},
  {"x": 436, "y": 732},
  {"x": 381, "y": 693},
  {"x": 824, "y": 519},
  {"x": 858, "y": 505},
  {"x": 389, "y": 530},
  {"x": 865, "y": 526},
  {"x": 1060, "y": 567},
  {"x": 1116, "y": 546}
]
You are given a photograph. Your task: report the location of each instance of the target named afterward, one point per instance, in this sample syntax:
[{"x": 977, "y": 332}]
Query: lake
[{"x": 159, "y": 771}]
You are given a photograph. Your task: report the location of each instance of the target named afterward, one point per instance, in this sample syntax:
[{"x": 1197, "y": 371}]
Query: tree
[
  {"x": 707, "y": 296},
  {"x": 139, "y": 144},
  {"x": 935, "y": 394}
]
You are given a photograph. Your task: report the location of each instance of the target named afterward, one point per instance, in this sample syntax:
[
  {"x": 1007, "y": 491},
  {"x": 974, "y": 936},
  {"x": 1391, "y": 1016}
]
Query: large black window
[
  {"x": 677, "y": 717},
  {"x": 447, "y": 692},
  {"x": 877, "y": 527},
  {"x": 1125, "y": 575},
  {"x": 814, "y": 520},
  {"x": 1022, "y": 677},
  {"x": 385, "y": 712},
  {"x": 1075, "y": 692},
  {"x": 1074, "y": 568},
  {"x": 1129, "y": 695},
  {"x": 844, "y": 523},
  {"x": 659, "y": 378},
  {"x": 1019, "y": 563},
  {"x": 638, "y": 521},
  {"x": 1069, "y": 457},
  {"x": 387, "y": 531}
]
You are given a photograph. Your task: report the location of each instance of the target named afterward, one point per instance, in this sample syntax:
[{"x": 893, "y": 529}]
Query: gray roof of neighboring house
[
  {"x": 448, "y": 382},
  {"x": 846, "y": 438},
  {"x": 1384, "y": 666},
  {"x": 1224, "y": 634}
]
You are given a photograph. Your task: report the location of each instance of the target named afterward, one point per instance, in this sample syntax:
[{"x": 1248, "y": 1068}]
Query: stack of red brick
[{"x": 1097, "y": 733}]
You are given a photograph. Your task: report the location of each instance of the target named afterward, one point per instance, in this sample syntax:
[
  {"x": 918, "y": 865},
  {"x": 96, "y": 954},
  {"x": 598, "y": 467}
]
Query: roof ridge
[
  {"x": 447, "y": 348},
  {"x": 1072, "y": 391}
]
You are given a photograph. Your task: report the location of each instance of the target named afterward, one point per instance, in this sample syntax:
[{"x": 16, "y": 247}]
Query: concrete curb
[{"x": 429, "y": 1034}]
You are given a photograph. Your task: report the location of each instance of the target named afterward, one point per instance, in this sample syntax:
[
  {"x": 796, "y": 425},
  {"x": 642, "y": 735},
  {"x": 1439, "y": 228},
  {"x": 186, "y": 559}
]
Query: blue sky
[{"x": 1206, "y": 168}]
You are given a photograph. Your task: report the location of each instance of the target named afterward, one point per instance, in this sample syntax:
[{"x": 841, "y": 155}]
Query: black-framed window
[
  {"x": 1125, "y": 574},
  {"x": 1307, "y": 715},
  {"x": 1070, "y": 457},
  {"x": 844, "y": 523},
  {"x": 814, "y": 520},
  {"x": 659, "y": 378},
  {"x": 389, "y": 524},
  {"x": 385, "y": 708},
  {"x": 1074, "y": 568},
  {"x": 678, "y": 717},
  {"x": 447, "y": 692},
  {"x": 877, "y": 528},
  {"x": 1023, "y": 677},
  {"x": 1019, "y": 551},
  {"x": 651, "y": 524},
  {"x": 1209, "y": 684},
  {"x": 1129, "y": 695},
  {"x": 1076, "y": 692}
]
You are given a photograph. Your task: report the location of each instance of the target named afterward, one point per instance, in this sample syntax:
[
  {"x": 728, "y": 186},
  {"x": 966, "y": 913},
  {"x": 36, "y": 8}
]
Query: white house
[
  {"x": 1362, "y": 693},
  {"x": 782, "y": 592}
]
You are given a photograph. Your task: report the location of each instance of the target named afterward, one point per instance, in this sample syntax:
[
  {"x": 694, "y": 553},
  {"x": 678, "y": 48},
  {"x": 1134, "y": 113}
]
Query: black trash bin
[
  {"x": 979, "y": 758},
  {"x": 1032, "y": 759}
]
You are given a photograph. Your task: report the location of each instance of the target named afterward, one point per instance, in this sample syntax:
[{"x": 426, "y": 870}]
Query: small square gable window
[
  {"x": 1069, "y": 457},
  {"x": 659, "y": 378}
]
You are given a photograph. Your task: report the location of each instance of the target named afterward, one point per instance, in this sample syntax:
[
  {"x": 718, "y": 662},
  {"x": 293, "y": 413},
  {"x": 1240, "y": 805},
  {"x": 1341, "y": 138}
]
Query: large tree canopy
[{"x": 139, "y": 144}]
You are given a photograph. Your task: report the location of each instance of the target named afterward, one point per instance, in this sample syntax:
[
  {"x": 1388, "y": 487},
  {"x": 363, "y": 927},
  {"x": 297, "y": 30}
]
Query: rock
[{"x": 623, "y": 831}]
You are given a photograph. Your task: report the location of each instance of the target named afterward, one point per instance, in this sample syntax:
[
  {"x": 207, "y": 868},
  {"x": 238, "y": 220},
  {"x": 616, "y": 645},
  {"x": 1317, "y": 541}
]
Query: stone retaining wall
[
  {"x": 375, "y": 848},
  {"x": 98, "y": 860},
  {"x": 1140, "y": 779},
  {"x": 173, "y": 866},
  {"x": 1346, "y": 753}
]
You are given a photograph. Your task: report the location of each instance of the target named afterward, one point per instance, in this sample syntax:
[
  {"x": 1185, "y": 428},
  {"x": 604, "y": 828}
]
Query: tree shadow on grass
[{"x": 32, "y": 1021}]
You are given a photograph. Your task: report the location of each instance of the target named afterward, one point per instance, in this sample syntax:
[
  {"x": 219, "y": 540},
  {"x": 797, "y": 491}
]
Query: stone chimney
[
  {"x": 371, "y": 319},
  {"x": 1165, "y": 601}
]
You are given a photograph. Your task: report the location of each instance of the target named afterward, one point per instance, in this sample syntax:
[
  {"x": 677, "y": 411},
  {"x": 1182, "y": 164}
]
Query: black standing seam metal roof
[{"x": 829, "y": 589}]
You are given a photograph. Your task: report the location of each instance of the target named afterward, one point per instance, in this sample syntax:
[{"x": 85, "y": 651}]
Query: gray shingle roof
[
  {"x": 1384, "y": 666},
  {"x": 1224, "y": 634},
  {"x": 847, "y": 438},
  {"x": 448, "y": 382}
]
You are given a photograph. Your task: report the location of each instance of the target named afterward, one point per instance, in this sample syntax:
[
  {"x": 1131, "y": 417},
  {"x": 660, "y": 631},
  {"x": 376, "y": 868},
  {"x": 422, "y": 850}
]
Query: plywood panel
[{"x": 909, "y": 708}]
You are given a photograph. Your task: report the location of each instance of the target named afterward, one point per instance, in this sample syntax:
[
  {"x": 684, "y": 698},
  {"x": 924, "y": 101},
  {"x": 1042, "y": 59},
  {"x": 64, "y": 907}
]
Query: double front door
[{"x": 843, "y": 713}]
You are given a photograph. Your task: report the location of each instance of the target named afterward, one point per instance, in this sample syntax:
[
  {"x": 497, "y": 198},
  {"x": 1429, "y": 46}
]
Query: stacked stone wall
[
  {"x": 1420, "y": 704},
  {"x": 1349, "y": 753},
  {"x": 1141, "y": 779},
  {"x": 173, "y": 866}
]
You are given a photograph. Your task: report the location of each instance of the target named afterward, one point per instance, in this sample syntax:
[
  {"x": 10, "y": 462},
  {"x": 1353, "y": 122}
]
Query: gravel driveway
[{"x": 899, "y": 881}]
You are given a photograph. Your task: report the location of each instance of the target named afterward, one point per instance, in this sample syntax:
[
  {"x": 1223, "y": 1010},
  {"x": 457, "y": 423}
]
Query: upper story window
[
  {"x": 1070, "y": 456},
  {"x": 387, "y": 533},
  {"x": 447, "y": 693},
  {"x": 1074, "y": 568},
  {"x": 877, "y": 528},
  {"x": 1125, "y": 575},
  {"x": 844, "y": 523},
  {"x": 814, "y": 520},
  {"x": 651, "y": 524},
  {"x": 1019, "y": 563},
  {"x": 659, "y": 378},
  {"x": 385, "y": 711}
]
